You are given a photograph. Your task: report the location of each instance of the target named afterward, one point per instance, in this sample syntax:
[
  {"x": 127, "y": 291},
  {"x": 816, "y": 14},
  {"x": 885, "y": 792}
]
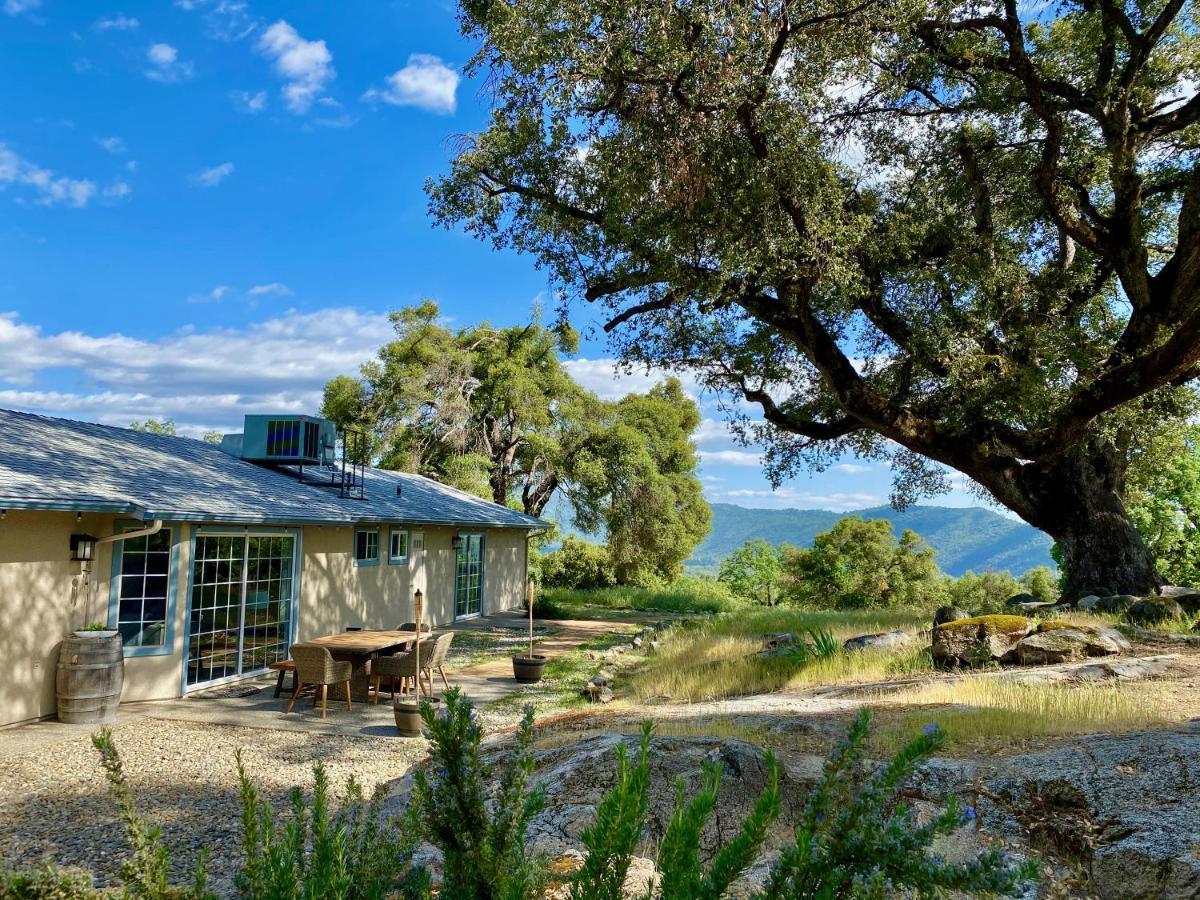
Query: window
[
  {"x": 398, "y": 548},
  {"x": 366, "y": 547},
  {"x": 141, "y": 590}
]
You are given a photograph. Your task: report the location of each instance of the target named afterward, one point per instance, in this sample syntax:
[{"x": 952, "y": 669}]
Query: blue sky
[{"x": 208, "y": 207}]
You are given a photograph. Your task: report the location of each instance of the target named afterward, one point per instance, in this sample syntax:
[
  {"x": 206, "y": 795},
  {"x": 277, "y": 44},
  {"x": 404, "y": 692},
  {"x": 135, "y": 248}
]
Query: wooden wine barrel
[{"x": 91, "y": 672}]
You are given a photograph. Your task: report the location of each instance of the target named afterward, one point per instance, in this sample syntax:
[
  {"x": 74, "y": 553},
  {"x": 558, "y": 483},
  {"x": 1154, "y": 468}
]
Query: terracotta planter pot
[
  {"x": 408, "y": 716},
  {"x": 528, "y": 669}
]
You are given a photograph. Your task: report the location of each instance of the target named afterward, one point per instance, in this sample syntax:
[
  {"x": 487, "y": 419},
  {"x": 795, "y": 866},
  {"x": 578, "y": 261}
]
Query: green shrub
[
  {"x": 146, "y": 874},
  {"x": 577, "y": 564},
  {"x": 1042, "y": 582},
  {"x": 48, "y": 882},
  {"x": 481, "y": 836},
  {"x": 983, "y": 593},
  {"x": 687, "y": 594},
  {"x": 346, "y": 855},
  {"x": 857, "y": 839},
  {"x": 754, "y": 571},
  {"x": 861, "y": 564}
]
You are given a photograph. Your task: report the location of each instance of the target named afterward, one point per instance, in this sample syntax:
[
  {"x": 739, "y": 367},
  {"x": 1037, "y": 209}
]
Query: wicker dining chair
[
  {"x": 402, "y": 666},
  {"x": 412, "y": 626},
  {"x": 316, "y": 666},
  {"x": 441, "y": 651}
]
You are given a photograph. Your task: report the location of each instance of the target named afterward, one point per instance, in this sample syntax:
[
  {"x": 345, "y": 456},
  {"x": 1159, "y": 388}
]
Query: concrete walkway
[{"x": 251, "y": 703}]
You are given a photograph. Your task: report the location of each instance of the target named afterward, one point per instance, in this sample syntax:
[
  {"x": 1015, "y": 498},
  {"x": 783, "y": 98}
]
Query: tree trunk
[{"x": 1077, "y": 501}]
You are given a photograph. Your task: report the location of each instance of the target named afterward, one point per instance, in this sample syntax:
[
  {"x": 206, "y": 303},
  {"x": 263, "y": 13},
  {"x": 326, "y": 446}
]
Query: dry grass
[
  {"x": 989, "y": 712},
  {"x": 721, "y": 658}
]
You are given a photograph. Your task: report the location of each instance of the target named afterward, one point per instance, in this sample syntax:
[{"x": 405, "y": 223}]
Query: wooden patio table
[{"x": 360, "y": 647}]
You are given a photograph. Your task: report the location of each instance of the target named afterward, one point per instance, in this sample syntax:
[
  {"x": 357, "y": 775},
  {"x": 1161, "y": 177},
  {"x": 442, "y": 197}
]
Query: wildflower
[
  {"x": 931, "y": 730},
  {"x": 970, "y": 814}
]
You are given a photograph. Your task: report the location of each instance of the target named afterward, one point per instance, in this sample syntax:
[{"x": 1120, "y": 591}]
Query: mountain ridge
[{"x": 964, "y": 538}]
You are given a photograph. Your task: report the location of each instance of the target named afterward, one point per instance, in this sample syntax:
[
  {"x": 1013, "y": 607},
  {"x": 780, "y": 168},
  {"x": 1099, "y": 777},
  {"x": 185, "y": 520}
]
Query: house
[{"x": 211, "y": 560}]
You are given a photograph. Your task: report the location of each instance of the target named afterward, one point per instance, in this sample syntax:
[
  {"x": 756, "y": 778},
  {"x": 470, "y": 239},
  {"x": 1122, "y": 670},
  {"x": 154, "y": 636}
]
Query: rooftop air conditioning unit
[{"x": 289, "y": 440}]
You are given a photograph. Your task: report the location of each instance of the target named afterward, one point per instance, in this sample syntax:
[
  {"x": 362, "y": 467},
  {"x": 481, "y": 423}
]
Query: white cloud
[
  {"x": 119, "y": 22},
  {"x": 744, "y": 458},
  {"x": 226, "y": 20},
  {"x": 306, "y": 65},
  {"x": 50, "y": 189},
  {"x": 166, "y": 66},
  {"x": 425, "y": 82},
  {"x": 214, "y": 296},
  {"x": 112, "y": 144},
  {"x": 274, "y": 289},
  {"x": 213, "y": 176},
  {"x": 246, "y": 102},
  {"x": 17, "y": 7},
  {"x": 117, "y": 190},
  {"x": 850, "y": 469},
  {"x": 202, "y": 379}
]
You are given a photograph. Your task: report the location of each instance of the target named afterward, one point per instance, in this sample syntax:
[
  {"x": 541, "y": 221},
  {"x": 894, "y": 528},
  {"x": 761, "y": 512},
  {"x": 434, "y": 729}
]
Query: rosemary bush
[
  {"x": 481, "y": 835},
  {"x": 856, "y": 839},
  {"x": 350, "y": 854}
]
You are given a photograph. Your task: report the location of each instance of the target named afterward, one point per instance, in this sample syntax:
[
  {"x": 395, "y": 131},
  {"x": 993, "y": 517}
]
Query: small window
[
  {"x": 398, "y": 548},
  {"x": 143, "y": 589},
  {"x": 366, "y": 547}
]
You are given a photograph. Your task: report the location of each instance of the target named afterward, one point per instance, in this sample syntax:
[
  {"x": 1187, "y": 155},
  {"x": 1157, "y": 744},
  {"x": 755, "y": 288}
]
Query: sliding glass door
[
  {"x": 240, "y": 609},
  {"x": 468, "y": 576}
]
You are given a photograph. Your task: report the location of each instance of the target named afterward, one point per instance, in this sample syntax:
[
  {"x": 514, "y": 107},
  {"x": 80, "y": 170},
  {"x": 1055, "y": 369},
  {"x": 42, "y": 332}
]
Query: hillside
[{"x": 973, "y": 538}]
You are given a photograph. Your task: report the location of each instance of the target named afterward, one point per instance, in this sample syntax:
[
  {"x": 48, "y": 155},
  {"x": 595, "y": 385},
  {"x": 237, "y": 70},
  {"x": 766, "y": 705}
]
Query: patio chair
[
  {"x": 316, "y": 666},
  {"x": 402, "y": 666},
  {"x": 441, "y": 651},
  {"x": 412, "y": 626}
]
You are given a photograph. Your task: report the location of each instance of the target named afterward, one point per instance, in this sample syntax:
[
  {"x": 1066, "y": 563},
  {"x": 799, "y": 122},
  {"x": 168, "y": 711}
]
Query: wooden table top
[{"x": 367, "y": 641}]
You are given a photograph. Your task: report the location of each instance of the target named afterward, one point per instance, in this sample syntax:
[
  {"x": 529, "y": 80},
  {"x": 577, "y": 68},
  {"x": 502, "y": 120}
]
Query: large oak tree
[{"x": 959, "y": 234}]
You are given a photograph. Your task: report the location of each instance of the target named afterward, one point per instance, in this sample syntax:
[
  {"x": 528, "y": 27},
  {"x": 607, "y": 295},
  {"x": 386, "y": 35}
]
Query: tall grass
[
  {"x": 721, "y": 657},
  {"x": 993, "y": 710}
]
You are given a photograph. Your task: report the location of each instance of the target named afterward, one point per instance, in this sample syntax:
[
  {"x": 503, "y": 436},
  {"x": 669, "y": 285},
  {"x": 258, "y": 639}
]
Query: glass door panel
[
  {"x": 468, "y": 577},
  {"x": 268, "y": 602},
  {"x": 240, "y": 605}
]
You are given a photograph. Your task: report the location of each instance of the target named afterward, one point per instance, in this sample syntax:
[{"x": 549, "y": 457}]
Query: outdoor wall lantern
[
  {"x": 456, "y": 543},
  {"x": 83, "y": 548}
]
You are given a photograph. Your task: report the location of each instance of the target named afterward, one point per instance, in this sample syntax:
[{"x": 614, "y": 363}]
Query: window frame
[
  {"x": 167, "y": 647},
  {"x": 366, "y": 562},
  {"x": 393, "y": 533}
]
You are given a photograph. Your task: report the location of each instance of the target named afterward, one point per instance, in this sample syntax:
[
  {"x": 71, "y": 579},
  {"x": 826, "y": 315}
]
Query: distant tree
[
  {"x": 577, "y": 563},
  {"x": 655, "y": 513},
  {"x": 155, "y": 426},
  {"x": 754, "y": 571},
  {"x": 860, "y": 563},
  {"x": 983, "y": 592},
  {"x": 1042, "y": 582},
  {"x": 213, "y": 437},
  {"x": 956, "y": 233},
  {"x": 1162, "y": 493}
]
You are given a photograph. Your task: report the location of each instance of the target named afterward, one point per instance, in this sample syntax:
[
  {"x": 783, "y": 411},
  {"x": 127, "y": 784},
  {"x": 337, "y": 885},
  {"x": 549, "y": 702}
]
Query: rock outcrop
[
  {"x": 1153, "y": 610},
  {"x": 1059, "y": 642},
  {"x": 886, "y": 640},
  {"x": 978, "y": 641},
  {"x": 946, "y": 614}
]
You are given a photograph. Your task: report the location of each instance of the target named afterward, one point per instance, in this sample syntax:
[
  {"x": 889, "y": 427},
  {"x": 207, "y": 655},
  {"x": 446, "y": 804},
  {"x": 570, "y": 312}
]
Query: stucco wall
[
  {"x": 43, "y": 597},
  {"x": 336, "y": 594}
]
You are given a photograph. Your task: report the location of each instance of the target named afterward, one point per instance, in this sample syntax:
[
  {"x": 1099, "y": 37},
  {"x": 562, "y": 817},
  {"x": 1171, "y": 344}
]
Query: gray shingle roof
[{"x": 48, "y": 463}]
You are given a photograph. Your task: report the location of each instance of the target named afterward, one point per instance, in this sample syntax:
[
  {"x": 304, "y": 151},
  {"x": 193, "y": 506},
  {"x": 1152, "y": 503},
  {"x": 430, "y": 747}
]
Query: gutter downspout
[{"x": 154, "y": 528}]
